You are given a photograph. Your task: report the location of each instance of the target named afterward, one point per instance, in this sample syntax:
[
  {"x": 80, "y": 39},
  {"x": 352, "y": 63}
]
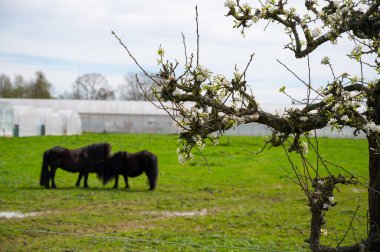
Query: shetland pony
[
  {"x": 91, "y": 158},
  {"x": 132, "y": 165}
]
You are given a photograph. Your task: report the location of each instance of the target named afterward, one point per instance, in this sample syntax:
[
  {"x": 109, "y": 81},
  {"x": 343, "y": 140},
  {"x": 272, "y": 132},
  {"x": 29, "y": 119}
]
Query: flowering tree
[{"x": 209, "y": 104}]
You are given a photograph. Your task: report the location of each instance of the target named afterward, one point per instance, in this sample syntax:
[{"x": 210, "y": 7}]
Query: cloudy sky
[{"x": 67, "y": 38}]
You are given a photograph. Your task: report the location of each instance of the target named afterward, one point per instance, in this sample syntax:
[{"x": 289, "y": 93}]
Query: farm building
[{"x": 60, "y": 117}]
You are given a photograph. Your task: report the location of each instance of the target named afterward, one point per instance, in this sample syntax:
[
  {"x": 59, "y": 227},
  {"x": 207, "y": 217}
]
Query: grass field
[{"x": 244, "y": 202}]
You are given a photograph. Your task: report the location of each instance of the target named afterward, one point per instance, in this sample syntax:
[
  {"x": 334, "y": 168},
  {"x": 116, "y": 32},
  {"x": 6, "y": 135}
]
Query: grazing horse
[
  {"x": 91, "y": 158},
  {"x": 132, "y": 165}
]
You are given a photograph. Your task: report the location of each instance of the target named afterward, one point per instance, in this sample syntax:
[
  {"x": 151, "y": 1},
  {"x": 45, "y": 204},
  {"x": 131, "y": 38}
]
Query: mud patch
[
  {"x": 171, "y": 214},
  {"x": 19, "y": 215}
]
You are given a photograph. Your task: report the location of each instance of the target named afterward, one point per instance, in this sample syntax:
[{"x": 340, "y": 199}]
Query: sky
[{"x": 68, "y": 38}]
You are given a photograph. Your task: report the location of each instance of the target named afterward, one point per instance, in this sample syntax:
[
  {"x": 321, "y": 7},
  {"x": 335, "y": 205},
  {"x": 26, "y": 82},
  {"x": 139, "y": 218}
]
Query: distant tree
[
  {"x": 92, "y": 86},
  {"x": 18, "y": 87},
  {"x": 39, "y": 88},
  {"x": 5, "y": 86},
  {"x": 137, "y": 87}
]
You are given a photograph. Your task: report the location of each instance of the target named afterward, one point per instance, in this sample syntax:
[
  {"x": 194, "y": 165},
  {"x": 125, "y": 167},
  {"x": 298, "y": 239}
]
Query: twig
[
  {"x": 309, "y": 86},
  {"x": 184, "y": 46},
  {"x": 204, "y": 158},
  {"x": 349, "y": 226},
  {"x": 133, "y": 58},
  {"x": 287, "y": 68},
  {"x": 298, "y": 175},
  {"x": 249, "y": 62},
  {"x": 196, "y": 20}
]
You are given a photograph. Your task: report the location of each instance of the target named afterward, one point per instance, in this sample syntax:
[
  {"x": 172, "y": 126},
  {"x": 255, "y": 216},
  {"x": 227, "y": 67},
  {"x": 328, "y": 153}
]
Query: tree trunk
[
  {"x": 316, "y": 223},
  {"x": 373, "y": 194}
]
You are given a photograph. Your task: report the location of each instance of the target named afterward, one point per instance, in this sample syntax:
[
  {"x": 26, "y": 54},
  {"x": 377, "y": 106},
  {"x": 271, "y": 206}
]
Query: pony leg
[
  {"x": 79, "y": 179},
  {"x": 116, "y": 181},
  {"x": 126, "y": 181},
  {"x": 85, "y": 180},
  {"x": 46, "y": 182},
  {"x": 52, "y": 175},
  {"x": 46, "y": 178},
  {"x": 152, "y": 179}
]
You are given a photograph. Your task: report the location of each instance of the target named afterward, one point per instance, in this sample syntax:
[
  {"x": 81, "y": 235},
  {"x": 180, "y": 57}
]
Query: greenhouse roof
[{"x": 91, "y": 106}]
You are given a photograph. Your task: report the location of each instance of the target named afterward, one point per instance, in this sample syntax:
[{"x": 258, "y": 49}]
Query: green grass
[{"x": 243, "y": 202}]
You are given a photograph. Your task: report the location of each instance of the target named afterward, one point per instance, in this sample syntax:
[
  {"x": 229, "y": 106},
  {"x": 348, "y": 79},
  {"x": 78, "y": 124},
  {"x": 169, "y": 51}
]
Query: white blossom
[
  {"x": 326, "y": 206},
  {"x": 200, "y": 78},
  {"x": 201, "y": 71},
  {"x": 324, "y": 232},
  {"x": 332, "y": 121},
  {"x": 237, "y": 75},
  {"x": 331, "y": 199},
  {"x": 344, "y": 118},
  {"x": 181, "y": 158},
  {"x": 372, "y": 127},
  {"x": 304, "y": 148},
  {"x": 325, "y": 61},
  {"x": 229, "y": 3},
  {"x": 336, "y": 107}
]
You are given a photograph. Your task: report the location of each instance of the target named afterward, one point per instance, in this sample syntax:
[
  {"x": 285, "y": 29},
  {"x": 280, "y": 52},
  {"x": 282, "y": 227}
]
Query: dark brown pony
[
  {"x": 132, "y": 165},
  {"x": 91, "y": 158}
]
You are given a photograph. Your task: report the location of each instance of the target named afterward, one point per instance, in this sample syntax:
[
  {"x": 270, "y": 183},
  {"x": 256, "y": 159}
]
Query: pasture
[{"x": 244, "y": 202}]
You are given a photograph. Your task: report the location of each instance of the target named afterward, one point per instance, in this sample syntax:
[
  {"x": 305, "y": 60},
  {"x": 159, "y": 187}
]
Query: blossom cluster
[
  {"x": 322, "y": 197},
  {"x": 184, "y": 152},
  {"x": 371, "y": 127},
  {"x": 303, "y": 148},
  {"x": 230, "y": 4},
  {"x": 201, "y": 73}
]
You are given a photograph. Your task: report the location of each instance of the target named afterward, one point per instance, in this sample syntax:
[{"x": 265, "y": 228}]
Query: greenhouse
[
  {"x": 72, "y": 122},
  {"x": 6, "y": 119},
  {"x": 26, "y": 121},
  {"x": 51, "y": 121},
  {"x": 71, "y": 117},
  {"x": 105, "y": 116}
]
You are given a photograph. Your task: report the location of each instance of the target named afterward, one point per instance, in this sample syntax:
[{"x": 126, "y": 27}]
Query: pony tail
[
  {"x": 108, "y": 170},
  {"x": 44, "y": 178},
  {"x": 153, "y": 172}
]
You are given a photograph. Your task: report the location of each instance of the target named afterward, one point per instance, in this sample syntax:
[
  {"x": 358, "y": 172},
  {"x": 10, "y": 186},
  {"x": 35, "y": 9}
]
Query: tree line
[{"x": 89, "y": 86}]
